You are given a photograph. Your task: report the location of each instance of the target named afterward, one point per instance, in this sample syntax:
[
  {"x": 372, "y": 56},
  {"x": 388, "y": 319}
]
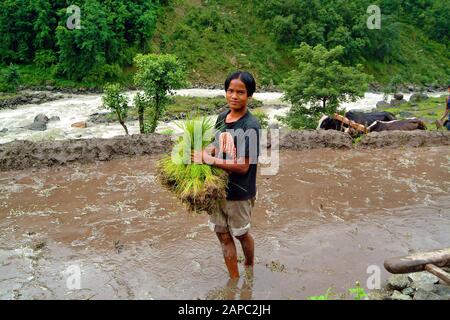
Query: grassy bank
[{"x": 429, "y": 110}]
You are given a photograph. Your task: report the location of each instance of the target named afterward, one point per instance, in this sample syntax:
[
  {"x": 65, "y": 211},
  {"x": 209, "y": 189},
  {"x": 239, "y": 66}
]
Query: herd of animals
[{"x": 366, "y": 122}]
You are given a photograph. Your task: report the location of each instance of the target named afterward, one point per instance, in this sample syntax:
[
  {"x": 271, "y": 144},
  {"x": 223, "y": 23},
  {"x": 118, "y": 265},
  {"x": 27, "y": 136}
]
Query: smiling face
[{"x": 237, "y": 95}]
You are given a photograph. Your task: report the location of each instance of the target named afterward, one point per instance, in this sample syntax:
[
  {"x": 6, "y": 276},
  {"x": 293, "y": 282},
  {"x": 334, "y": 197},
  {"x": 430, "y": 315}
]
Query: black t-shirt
[{"x": 246, "y": 140}]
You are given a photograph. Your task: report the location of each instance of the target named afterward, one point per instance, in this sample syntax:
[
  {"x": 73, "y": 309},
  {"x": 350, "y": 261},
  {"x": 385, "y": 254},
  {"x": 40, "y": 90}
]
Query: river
[{"x": 79, "y": 107}]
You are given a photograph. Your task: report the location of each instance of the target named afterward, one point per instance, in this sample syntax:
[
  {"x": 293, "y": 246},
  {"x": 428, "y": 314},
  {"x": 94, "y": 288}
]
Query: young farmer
[{"x": 236, "y": 151}]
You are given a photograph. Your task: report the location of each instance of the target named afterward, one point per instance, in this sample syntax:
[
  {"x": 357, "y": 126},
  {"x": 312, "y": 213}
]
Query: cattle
[
  {"x": 364, "y": 118},
  {"x": 403, "y": 125}
]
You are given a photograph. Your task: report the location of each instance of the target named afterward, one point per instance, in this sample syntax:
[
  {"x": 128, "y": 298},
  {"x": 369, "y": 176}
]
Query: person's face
[{"x": 237, "y": 95}]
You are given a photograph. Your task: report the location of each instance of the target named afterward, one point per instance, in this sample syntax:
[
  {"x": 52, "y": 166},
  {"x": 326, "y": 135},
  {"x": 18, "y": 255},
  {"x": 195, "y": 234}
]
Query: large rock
[
  {"x": 378, "y": 295},
  {"x": 408, "y": 291},
  {"x": 395, "y": 102},
  {"x": 398, "y": 96},
  {"x": 4, "y": 130},
  {"x": 423, "y": 278},
  {"x": 427, "y": 295},
  {"x": 417, "y": 97},
  {"x": 442, "y": 290},
  {"x": 398, "y": 281},
  {"x": 37, "y": 126},
  {"x": 42, "y": 118},
  {"x": 81, "y": 125},
  {"x": 54, "y": 118},
  {"x": 399, "y": 296},
  {"x": 39, "y": 123},
  {"x": 383, "y": 104}
]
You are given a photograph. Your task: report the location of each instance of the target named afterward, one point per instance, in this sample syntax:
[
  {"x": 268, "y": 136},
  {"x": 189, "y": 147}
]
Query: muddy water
[{"x": 321, "y": 222}]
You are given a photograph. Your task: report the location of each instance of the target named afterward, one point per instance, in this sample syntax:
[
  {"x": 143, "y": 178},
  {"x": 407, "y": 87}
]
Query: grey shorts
[{"x": 233, "y": 217}]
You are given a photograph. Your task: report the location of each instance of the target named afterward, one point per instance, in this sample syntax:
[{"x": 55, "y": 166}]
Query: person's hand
[
  {"x": 226, "y": 144},
  {"x": 197, "y": 156}
]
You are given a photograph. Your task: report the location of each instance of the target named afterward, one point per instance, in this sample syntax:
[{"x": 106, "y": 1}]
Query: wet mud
[{"x": 320, "y": 222}]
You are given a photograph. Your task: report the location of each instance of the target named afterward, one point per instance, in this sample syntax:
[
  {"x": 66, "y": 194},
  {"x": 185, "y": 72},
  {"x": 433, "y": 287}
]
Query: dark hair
[{"x": 246, "y": 78}]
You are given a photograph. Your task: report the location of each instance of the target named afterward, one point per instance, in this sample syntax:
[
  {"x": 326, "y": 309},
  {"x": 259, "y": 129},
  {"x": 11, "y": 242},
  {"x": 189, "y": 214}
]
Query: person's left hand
[{"x": 197, "y": 156}]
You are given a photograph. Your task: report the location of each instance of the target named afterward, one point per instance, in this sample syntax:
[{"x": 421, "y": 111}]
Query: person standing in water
[{"x": 235, "y": 150}]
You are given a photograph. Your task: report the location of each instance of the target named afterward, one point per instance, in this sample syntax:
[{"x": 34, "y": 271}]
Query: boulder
[
  {"x": 39, "y": 123},
  {"x": 81, "y": 124},
  {"x": 423, "y": 278},
  {"x": 4, "y": 130},
  {"x": 399, "y": 296},
  {"x": 417, "y": 97},
  {"x": 408, "y": 291},
  {"x": 37, "y": 126},
  {"x": 398, "y": 96},
  {"x": 398, "y": 281},
  {"x": 442, "y": 290},
  {"x": 427, "y": 295},
  {"x": 396, "y": 102},
  {"x": 54, "y": 118},
  {"x": 383, "y": 104},
  {"x": 41, "y": 118},
  {"x": 378, "y": 295}
]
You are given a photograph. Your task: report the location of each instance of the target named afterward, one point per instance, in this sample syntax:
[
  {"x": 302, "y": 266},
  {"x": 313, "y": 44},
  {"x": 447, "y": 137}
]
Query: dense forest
[{"x": 213, "y": 37}]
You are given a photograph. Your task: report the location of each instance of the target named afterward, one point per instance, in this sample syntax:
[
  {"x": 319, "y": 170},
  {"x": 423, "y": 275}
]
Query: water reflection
[{"x": 232, "y": 290}]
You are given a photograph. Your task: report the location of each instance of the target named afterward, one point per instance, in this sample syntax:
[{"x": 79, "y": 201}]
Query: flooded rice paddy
[{"x": 320, "y": 222}]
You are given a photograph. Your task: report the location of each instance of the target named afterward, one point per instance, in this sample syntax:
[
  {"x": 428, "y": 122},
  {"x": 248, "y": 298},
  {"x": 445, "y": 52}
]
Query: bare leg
[
  {"x": 248, "y": 246},
  {"x": 229, "y": 253}
]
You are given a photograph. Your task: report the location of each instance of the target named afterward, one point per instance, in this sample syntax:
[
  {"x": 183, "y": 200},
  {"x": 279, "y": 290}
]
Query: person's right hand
[{"x": 226, "y": 144}]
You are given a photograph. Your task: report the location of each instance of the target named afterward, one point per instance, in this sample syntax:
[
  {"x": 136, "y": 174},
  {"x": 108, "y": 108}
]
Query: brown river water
[{"x": 320, "y": 222}]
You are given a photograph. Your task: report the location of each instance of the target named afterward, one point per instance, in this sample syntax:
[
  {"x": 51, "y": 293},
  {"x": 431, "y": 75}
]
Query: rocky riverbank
[
  {"x": 28, "y": 97},
  {"x": 20, "y": 155},
  {"x": 413, "y": 286}
]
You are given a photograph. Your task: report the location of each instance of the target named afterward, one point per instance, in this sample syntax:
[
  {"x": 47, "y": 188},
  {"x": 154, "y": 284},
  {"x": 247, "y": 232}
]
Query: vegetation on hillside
[{"x": 215, "y": 37}]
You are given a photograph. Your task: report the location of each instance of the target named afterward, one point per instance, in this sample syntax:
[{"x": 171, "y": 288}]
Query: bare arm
[{"x": 239, "y": 166}]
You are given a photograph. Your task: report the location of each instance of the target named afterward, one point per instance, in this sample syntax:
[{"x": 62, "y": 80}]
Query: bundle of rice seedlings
[{"x": 200, "y": 187}]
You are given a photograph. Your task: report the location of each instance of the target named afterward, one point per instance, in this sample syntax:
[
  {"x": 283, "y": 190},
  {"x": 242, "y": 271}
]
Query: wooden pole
[{"x": 351, "y": 123}]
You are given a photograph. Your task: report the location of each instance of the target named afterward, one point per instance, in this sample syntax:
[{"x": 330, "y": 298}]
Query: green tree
[
  {"x": 114, "y": 100},
  {"x": 158, "y": 76},
  {"x": 319, "y": 84},
  {"x": 141, "y": 102},
  {"x": 11, "y": 78}
]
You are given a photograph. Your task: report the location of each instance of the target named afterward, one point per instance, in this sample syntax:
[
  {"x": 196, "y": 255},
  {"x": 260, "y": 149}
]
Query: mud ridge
[{"x": 19, "y": 155}]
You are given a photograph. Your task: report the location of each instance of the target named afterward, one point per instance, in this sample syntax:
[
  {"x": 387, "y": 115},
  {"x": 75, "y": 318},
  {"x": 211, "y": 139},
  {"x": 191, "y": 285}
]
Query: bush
[
  {"x": 11, "y": 78},
  {"x": 262, "y": 117}
]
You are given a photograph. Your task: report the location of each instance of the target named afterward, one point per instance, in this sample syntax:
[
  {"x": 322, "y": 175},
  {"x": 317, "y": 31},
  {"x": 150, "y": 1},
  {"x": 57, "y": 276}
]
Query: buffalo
[
  {"x": 364, "y": 118},
  {"x": 403, "y": 125}
]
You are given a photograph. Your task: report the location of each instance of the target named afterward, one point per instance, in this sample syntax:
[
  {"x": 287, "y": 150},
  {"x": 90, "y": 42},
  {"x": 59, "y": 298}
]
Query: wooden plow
[
  {"x": 431, "y": 261},
  {"x": 352, "y": 124}
]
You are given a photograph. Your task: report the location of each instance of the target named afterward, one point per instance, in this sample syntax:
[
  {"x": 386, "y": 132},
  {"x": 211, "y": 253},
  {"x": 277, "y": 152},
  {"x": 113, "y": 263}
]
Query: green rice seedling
[{"x": 199, "y": 187}]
